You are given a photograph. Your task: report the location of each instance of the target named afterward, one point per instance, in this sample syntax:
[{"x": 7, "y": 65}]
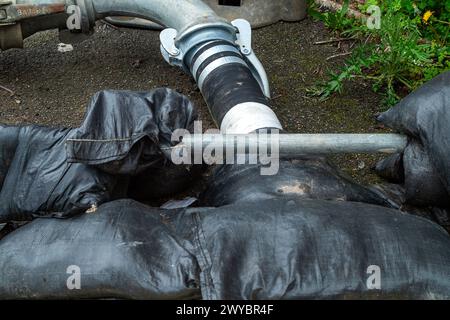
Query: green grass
[{"x": 397, "y": 58}]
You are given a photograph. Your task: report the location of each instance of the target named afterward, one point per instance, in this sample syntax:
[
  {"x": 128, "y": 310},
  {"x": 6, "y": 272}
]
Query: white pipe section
[{"x": 248, "y": 117}]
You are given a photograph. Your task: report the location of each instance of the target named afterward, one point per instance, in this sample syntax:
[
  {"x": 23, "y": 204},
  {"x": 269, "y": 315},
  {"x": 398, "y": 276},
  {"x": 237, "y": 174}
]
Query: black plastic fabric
[
  {"x": 423, "y": 183},
  {"x": 133, "y": 139},
  {"x": 307, "y": 178},
  {"x": 124, "y": 131},
  {"x": 288, "y": 248},
  {"x": 63, "y": 172},
  {"x": 283, "y": 248},
  {"x": 308, "y": 232},
  {"x": 125, "y": 250},
  {"x": 392, "y": 168},
  {"x": 40, "y": 182},
  {"x": 424, "y": 116},
  {"x": 9, "y": 139},
  {"x": 228, "y": 86}
]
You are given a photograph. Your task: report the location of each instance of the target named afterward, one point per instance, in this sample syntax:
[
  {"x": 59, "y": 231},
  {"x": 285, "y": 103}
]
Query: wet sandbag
[
  {"x": 306, "y": 178},
  {"x": 124, "y": 250},
  {"x": 40, "y": 182},
  {"x": 424, "y": 115},
  {"x": 313, "y": 249}
]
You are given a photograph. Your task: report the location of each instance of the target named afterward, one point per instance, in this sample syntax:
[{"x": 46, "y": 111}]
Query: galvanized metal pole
[{"x": 290, "y": 145}]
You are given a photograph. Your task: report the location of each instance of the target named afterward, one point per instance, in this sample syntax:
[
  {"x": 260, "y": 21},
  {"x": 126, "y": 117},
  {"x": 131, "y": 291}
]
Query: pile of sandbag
[
  {"x": 284, "y": 248},
  {"x": 64, "y": 172},
  {"x": 424, "y": 167},
  {"x": 309, "y": 232}
]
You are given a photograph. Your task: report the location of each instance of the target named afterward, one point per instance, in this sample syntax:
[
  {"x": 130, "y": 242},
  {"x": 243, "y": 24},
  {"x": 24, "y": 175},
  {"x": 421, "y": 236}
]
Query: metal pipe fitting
[
  {"x": 217, "y": 53},
  {"x": 177, "y": 14},
  {"x": 228, "y": 73},
  {"x": 211, "y": 49},
  {"x": 186, "y": 16}
]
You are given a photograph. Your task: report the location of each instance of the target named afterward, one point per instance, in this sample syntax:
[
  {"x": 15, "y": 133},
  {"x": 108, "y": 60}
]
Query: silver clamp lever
[
  {"x": 169, "y": 50},
  {"x": 244, "y": 40},
  {"x": 175, "y": 57}
]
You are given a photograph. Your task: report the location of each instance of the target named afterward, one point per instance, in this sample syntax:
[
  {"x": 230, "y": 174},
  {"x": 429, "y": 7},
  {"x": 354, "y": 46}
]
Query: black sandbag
[
  {"x": 9, "y": 139},
  {"x": 124, "y": 250},
  {"x": 63, "y": 172},
  {"x": 424, "y": 115},
  {"x": 282, "y": 248},
  {"x": 414, "y": 170},
  {"x": 127, "y": 132},
  {"x": 124, "y": 132},
  {"x": 40, "y": 182},
  {"x": 307, "y": 178},
  {"x": 312, "y": 249},
  {"x": 423, "y": 184},
  {"x": 392, "y": 168}
]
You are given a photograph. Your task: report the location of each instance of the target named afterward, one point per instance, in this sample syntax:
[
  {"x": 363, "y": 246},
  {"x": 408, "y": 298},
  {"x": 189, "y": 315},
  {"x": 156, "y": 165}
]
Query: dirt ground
[{"x": 53, "y": 88}]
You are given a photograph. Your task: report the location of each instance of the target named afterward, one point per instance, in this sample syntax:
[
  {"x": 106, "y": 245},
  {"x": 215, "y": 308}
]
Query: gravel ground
[{"x": 53, "y": 88}]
